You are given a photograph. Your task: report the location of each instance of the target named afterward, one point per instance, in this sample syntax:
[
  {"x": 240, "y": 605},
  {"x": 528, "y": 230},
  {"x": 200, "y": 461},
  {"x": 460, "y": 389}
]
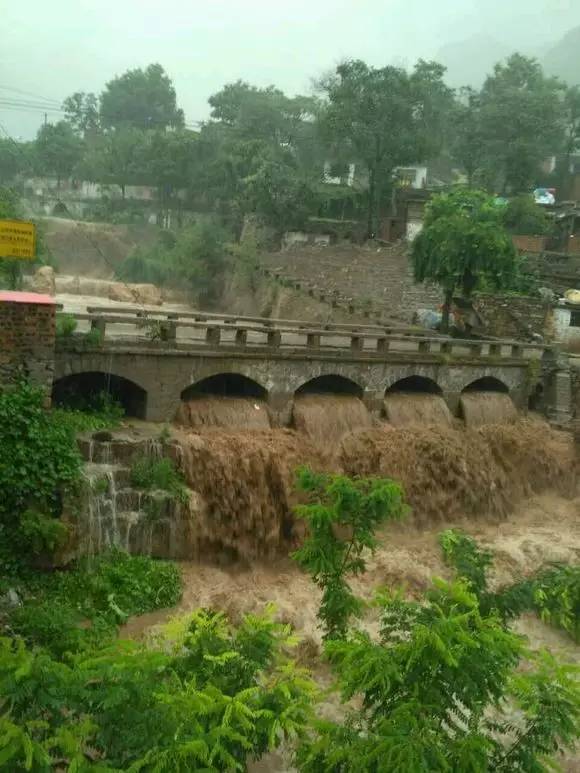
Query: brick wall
[{"x": 27, "y": 338}]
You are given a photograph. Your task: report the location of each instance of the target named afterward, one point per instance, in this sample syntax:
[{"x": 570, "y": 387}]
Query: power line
[{"x": 30, "y": 94}]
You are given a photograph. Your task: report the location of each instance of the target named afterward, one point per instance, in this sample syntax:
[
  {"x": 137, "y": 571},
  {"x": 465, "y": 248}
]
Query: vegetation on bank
[
  {"x": 267, "y": 154},
  {"x": 442, "y": 684}
]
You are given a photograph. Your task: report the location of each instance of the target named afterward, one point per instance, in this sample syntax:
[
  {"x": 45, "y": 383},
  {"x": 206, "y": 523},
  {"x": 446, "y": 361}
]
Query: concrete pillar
[
  {"x": 452, "y": 400},
  {"x": 373, "y": 401},
  {"x": 560, "y": 405},
  {"x": 161, "y": 406},
  {"x": 280, "y": 405}
]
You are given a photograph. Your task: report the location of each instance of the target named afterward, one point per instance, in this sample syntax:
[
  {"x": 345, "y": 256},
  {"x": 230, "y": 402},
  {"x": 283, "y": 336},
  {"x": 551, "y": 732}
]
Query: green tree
[
  {"x": 384, "y": 117},
  {"x": 466, "y": 136},
  {"x": 463, "y": 242},
  {"x": 523, "y": 216},
  {"x": 261, "y": 152},
  {"x": 266, "y": 114},
  {"x": 57, "y": 150},
  {"x": 12, "y": 160},
  {"x": 521, "y": 121},
  {"x": 117, "y": 158},
  {"x": 143, "y": 99},
  {"x": 279, "y": 191},
  {"x": 170, "y": 161},
  {"x": 342, "y": 518},
  {"x": 82, "y": 112}
]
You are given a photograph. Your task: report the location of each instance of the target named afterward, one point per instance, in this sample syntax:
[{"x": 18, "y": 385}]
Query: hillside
[
  {"x": 563, "y": 59},
  {"x": 92, "y": 250}
]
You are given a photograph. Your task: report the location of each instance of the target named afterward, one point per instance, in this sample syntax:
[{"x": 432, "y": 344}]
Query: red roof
[{"x": 9, "y": 296}]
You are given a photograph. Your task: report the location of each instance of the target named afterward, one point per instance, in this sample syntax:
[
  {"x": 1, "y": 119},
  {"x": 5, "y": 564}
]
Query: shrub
[
  {"x": 40, "y": 533},
  {"x": 66, "y": 325},
  {"x": 78, "y": 609},
  {"x": 39, "y": 459},
  {"x": 523, "y": 216},
  {"x": 438, "y": 688},
  {"x": 158, "y": 474},
  {"x": 212, "y": 699},
  {"x": 81, "y": 414},
  {"x": 197, "y": 259}
]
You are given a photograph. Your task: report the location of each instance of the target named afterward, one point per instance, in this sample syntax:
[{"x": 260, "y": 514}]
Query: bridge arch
[
  {"x": 330, "y": 384},
  {"x": 85, "y": 389},
  {"x": 415, "y": 384},
  {"x": 487, "y": 384},
  {"x": 225, "y": 385}
]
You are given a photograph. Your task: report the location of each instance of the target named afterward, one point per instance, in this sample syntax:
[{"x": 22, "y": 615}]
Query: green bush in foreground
[
  {"x": 209, "y": 698},
  {"x": 439, "y": 688}
]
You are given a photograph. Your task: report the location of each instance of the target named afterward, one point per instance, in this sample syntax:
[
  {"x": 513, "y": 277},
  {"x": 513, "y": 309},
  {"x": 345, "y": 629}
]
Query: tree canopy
[
  {"x": 144, "y": 99},
  {"x": 58, "y": 150},
  {"x": 521, "y": 122},
  {"x": 386, "y": 118},
  {"x": 463, "y": 242}
]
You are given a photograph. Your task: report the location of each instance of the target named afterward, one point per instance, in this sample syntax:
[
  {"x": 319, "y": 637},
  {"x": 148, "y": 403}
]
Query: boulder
[
  {"x": 147, "y": 294},
  {"x": 43, "y": 281}
]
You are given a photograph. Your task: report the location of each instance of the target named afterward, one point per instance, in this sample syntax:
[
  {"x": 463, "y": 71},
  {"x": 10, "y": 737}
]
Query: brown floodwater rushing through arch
[{"x": 241, "y": 471}]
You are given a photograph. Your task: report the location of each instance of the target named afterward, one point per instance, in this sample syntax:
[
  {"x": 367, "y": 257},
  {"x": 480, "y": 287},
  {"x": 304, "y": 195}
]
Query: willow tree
[{"x": 464, "y": 245}]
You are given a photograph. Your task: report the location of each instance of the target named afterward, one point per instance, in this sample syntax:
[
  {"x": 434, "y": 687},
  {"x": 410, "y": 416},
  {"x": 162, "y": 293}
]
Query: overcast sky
[{"x": 55, "y": 48}]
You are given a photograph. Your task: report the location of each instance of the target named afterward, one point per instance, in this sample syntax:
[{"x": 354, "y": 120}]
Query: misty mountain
[{"x": 563, "y": 59}]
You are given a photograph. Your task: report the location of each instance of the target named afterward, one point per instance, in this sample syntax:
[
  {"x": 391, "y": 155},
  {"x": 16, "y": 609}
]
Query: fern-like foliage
[
  {"x": 342, "y": 516},
  {"x": 210, "y": 700},
  {"x": 439, "y": 689}
]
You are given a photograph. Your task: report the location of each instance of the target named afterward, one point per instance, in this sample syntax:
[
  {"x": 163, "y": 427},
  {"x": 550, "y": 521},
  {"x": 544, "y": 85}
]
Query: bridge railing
[
  {"x": 189, "y": 333},
  {"x": 236, "y": 319}
]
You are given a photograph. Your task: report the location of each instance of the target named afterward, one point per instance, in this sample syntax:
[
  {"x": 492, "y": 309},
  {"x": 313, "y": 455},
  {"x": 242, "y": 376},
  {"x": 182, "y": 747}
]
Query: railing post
[
  {"x": 517, "y": 350},
  {"x": 495, "y": 350},
  {"x": 312, "y": 341},
  {"x": 168, "y": 328},
  {"x": 356, "y": 343},
  {"x": 383, "y": 345},
  {"x": 241, "y": 337},
  {"x": 424, "y": 346},
  {"x": 274, "y": 338},
  {"x": 446, "y": 347},
  {"x": 213, "y": 336},
  {"x": 475, "y": 349},
  {"x": 100, "y": 325}
]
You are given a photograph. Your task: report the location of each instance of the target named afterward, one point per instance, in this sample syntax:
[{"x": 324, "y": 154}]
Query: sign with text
[{"x": 17, "y": 239}]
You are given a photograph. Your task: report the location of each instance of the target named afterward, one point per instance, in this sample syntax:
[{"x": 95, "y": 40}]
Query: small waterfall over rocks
[{"x": 113, "y": 513}]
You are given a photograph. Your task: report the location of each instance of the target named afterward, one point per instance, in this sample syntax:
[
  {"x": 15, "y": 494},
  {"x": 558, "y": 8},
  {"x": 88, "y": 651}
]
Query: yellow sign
[{"x": 17, "y": 239}]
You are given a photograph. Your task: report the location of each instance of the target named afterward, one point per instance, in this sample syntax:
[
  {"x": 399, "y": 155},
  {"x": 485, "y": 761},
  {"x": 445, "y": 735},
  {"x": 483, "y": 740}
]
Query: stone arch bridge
[{"x": 155, "y": 360}]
